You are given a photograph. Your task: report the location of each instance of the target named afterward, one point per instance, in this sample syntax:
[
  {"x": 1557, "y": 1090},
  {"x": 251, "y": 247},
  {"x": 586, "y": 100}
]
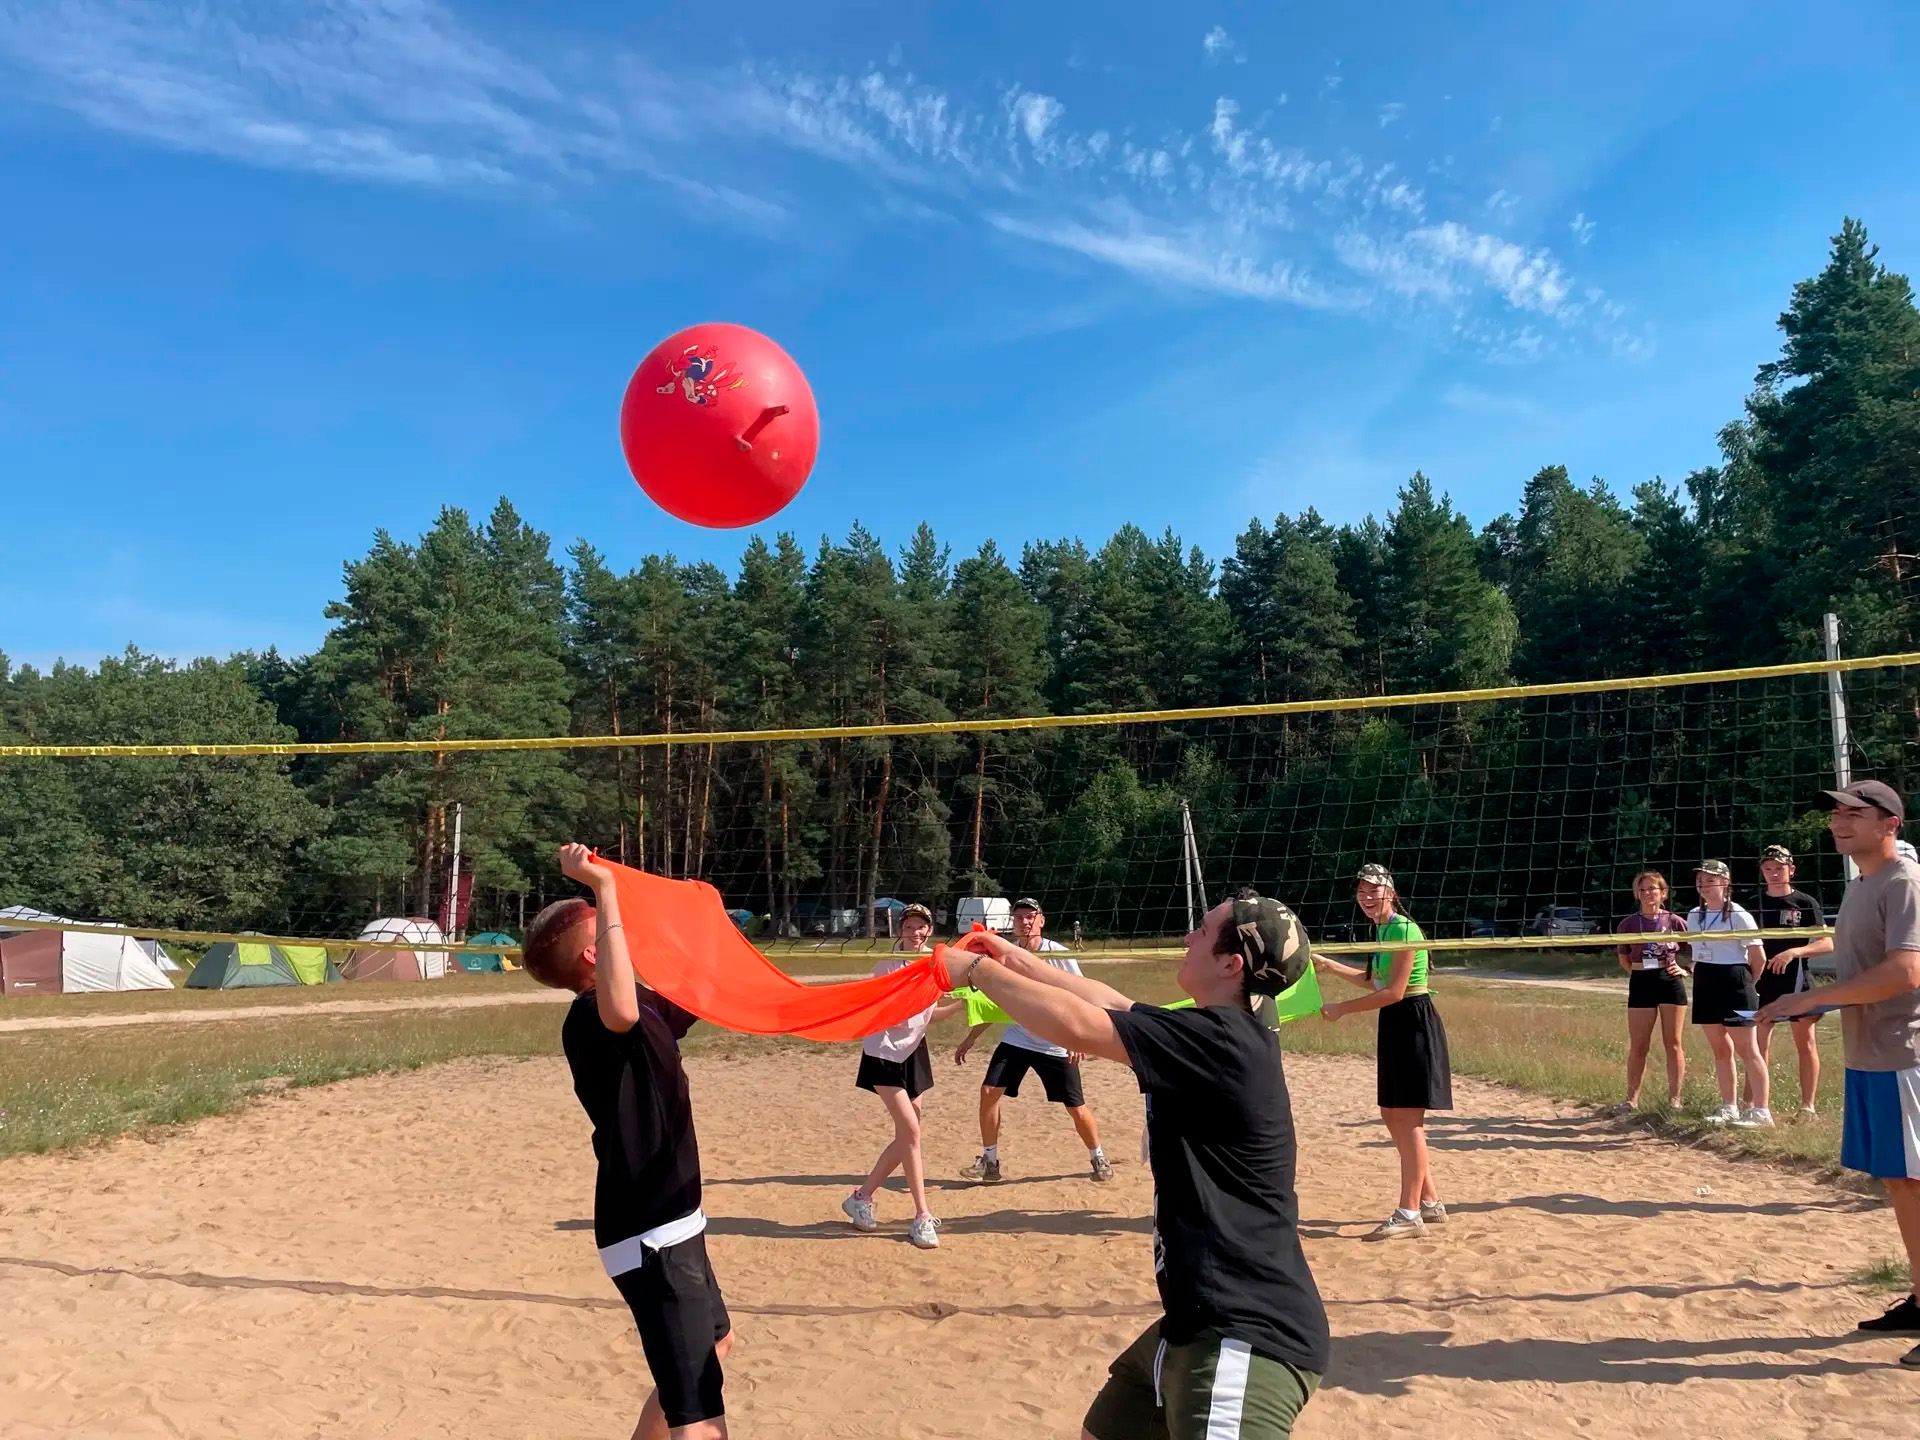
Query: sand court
[{"x": 410, "y": 1255}]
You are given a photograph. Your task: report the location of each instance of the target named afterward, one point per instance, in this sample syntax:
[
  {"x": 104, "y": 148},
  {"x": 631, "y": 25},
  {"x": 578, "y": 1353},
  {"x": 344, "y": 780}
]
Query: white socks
[
  {"x": 1097, "y": 1153},
  {"x": 992, "y": 1154}
]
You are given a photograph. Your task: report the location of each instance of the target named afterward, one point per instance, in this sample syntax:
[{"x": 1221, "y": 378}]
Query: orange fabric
[{"x": 683, "y": 944}]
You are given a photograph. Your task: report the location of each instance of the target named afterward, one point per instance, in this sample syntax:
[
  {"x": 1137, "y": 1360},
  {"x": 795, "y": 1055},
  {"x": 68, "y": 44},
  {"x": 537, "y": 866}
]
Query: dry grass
[
  {"x": 128, "y": 1002},
  {"x": 62, "y": 1088}
]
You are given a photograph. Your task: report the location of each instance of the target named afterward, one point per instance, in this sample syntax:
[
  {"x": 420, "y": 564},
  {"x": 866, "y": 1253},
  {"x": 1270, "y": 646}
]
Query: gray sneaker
[
  {"x": 1433, "y": 1213},
  {"x": 1398, "y": 1227},
  {"x": 1102, "y": 1169},
  {"x": 982, "y": 1169},
  {"x": 924, "y": 1233},
  {"x": 1759, "y": 1118},
  {"x": 859, "y": 1209}
]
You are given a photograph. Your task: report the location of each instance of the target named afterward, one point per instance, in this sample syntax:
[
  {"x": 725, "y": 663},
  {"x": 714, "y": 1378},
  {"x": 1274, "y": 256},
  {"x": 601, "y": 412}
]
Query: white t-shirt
[
  {"x": 897, "y": 1042},
  {"x": 1720, "y": 952},
  {"x": 1025, "y": 1039}
]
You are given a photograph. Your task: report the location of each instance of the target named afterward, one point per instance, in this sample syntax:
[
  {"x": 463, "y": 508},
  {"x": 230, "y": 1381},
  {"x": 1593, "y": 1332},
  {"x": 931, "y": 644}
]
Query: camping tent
[
  {"x": 53, "y": 962},
  {"x": 478, "y": 961},
  {"x": 232, "y": 965},
  {"x": 156, "y": 952},
  {"x": 367, "y": 963}
]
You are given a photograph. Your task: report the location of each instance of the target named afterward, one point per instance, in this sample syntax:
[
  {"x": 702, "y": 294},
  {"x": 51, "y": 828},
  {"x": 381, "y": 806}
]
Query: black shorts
[
  {"x": 1650, "y": 989},
  {"x": 1790, "y": 981},
  {"x": 913, "y": 1074},
  {"x": 1410, "y": 1057},
  {"x": 677, "y": 1306},
  {"x": 1060, "y": 1075},
  {"x": 1719, "y": 991}
]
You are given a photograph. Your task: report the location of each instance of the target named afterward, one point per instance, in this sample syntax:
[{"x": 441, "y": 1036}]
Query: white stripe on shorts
[
  {"x": 1909, "y": 1083},
  {"x": 1229, "y": 1390}
]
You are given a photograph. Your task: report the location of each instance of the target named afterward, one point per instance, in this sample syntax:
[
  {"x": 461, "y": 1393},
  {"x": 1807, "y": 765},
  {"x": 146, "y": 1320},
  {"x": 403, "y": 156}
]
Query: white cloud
[
  {"x": 1581, "y": 227},
  {"x": 401, "y": 92},
  {"x": 1218, "y": 45}
]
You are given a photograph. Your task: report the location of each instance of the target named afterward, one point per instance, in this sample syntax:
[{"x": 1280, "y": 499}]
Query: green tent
[
  {"x": 231, "y": 965},
  {"x": 477, "y": 961}
]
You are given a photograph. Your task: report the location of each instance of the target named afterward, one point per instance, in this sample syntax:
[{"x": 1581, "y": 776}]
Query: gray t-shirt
[{"x": 1881, "y": 912}]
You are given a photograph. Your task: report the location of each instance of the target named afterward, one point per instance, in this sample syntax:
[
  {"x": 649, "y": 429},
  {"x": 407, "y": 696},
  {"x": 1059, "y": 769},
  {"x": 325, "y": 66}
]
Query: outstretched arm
[
  {"x": 1050, "y": 1010},
  {"x": 1898, "y": 974},
  {"x": 1354, "y": 974},
  {"x": 1021, "y": 962},
  {"x": 1394, "y": 989}
]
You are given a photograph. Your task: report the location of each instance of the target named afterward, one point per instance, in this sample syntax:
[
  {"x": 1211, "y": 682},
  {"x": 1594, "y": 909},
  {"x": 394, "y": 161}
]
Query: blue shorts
[{"x": 1882, "y": 1130}]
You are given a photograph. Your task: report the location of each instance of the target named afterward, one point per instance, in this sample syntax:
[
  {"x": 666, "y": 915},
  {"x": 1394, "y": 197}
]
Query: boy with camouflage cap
[{"x": 1243, "y": 1341}]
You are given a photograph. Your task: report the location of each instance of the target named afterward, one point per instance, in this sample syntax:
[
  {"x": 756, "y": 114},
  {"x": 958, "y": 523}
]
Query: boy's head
[{"x": 557, "y": 949}]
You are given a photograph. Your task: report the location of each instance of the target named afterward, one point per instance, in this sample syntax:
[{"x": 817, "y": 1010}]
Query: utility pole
[
  {"x": 1190, "y": 868},
  {"x": 1837, "y": 713},
  {"x": 453, "y": 878}
]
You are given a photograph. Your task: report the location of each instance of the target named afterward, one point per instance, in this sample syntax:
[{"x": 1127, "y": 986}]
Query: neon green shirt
[{"x": 1399, "y": 933}]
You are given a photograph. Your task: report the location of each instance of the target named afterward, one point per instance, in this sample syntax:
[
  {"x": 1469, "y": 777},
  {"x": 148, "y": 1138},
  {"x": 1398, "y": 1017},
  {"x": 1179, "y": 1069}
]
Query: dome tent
[
  {"x": 370, "y": 963},
  {"x": 481, "y": 961},
  {"x": 57, "y": 962},
  {"x": 238, "y": 965}
]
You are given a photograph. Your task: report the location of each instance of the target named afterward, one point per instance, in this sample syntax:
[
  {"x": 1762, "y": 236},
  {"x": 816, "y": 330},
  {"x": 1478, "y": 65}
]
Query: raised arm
[{"x": 616, "y": 993}]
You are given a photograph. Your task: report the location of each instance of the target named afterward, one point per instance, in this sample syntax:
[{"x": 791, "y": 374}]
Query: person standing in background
[
  {"x": 1656, "y": 990},
  {"x": 1782, "y": 907}
]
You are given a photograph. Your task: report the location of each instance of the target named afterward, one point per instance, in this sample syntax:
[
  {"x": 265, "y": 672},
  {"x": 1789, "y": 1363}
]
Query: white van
[{"x": 993, "y": 911}]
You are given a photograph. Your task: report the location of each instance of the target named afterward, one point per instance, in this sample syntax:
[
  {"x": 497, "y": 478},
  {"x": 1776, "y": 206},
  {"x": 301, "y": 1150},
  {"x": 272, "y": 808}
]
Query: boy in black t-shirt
[
  {"x": 622, "y": 1045},
  {"x": 1243, "y": 1341},
  {"x": 1782, "y": 907}
]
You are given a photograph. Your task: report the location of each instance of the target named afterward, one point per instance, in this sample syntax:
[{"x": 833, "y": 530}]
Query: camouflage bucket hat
[{"x": 1271, "y": 942}]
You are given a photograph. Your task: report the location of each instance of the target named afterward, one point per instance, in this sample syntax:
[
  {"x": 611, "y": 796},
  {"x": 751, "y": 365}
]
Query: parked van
[{"x": 993, "y": 911}]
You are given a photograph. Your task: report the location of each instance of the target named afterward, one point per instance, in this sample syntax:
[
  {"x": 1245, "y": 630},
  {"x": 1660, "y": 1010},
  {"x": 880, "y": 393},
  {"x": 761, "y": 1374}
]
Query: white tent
[
  {"x": 398, "y": 964},
  {"x": 82, "y": 961},
  {"x": 156, "y": 952}
]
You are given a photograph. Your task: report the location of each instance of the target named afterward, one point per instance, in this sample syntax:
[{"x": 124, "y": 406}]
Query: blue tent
[{"x": 481, "y": 961}]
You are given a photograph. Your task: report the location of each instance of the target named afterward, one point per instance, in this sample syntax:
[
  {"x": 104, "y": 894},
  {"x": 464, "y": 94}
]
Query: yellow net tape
[
  {"x": 951, "y": 727},
  {"x": 1093, "y": 956}
]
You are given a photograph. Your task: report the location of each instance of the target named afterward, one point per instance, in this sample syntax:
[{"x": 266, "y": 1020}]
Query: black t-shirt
[
  {"x": 635, "y": 1093},
  {"x": 1226, "y": 1237},
  {"x": 1790, "y": 911}
]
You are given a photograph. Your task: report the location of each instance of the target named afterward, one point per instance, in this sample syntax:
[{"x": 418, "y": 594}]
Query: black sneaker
[
  {"x": 1912, "y": 1358},
  {"x": 1902, "y": 1319}
]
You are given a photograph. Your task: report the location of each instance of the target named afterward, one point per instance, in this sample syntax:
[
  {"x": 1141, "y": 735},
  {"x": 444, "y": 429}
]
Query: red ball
[{"x": 719, "y": 426}]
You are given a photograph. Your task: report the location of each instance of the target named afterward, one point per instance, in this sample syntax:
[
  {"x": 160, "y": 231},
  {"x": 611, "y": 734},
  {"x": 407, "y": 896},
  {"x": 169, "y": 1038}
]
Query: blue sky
[{"x": 274, "y": 275}]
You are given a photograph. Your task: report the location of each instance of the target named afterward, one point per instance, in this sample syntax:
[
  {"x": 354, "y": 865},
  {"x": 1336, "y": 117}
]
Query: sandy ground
[{"x": 409, "y": 1256}]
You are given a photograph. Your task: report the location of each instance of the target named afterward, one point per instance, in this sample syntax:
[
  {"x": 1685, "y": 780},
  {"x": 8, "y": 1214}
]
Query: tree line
[{"x": 477, "y": 629}]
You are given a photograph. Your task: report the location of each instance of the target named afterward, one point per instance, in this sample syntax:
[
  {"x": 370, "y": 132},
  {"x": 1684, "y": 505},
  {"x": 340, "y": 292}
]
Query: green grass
[
  {"x": 60, "y": 1088},
  {"x": 1560, "y": 964},
  {"x": 1885, "y": 1274},
  {"x": 127, "y": 1002}
]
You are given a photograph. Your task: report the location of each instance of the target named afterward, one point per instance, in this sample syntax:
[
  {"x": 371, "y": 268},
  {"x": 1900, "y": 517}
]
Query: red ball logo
[{"x": 719, "y": 426}]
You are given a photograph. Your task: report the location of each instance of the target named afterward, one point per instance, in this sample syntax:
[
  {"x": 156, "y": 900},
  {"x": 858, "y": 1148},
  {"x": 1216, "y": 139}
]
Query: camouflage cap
[
  {"x": 1270, "y": 941},
  {"x": 918, "y": 909},
  {"x": 1375, "y": 875},
  {"x": 1714, "y": 867},
  {"x": 1779, "y": 853}
]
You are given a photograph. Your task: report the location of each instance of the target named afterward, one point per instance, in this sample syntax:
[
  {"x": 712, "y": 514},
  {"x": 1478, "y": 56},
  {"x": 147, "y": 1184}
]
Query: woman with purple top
[{"x": 1656, "y": 989}]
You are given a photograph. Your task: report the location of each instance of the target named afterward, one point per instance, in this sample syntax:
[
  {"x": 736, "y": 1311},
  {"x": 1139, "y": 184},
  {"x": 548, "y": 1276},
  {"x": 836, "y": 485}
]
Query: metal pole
[
  {"x": 1837, "y": 713},
  {"x": 453, "y": 879},
  {"x": 1186, "y": 860}
]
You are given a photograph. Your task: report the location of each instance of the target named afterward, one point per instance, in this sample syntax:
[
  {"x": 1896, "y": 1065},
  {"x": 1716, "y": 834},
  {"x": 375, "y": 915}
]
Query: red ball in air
[{"x": 719, "y": 426}]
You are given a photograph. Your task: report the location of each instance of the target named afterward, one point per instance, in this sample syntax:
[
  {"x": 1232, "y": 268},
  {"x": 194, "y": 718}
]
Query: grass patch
[
  {"x": 1549, "y": 964},
  {"x": 1885, "y": 1274},
  {"x": 129, "y": 1002}
]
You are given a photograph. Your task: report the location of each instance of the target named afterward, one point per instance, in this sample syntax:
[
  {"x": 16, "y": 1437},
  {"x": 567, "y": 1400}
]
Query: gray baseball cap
[{"x": 1875, "y": 793}]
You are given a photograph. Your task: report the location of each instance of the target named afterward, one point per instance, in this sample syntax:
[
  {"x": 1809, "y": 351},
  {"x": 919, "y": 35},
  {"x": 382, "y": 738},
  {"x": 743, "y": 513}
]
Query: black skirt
[
  {"x": 913, "y": 1074},
  {"x": 1411, "y": 1057},
  {"x": 1650, "y": 989},
  {"x": 1721, "y": 990}
]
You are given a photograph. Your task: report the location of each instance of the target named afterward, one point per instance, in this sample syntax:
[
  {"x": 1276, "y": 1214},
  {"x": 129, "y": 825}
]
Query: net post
[{"x": 1837, "y": 713}]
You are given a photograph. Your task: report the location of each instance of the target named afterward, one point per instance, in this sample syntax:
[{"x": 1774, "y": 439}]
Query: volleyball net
[{"x": 1511, "y": 817}]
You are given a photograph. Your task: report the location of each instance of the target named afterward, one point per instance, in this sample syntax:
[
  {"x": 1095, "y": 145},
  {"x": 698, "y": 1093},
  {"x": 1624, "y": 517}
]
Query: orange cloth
[{"x": 683, "y": 944}]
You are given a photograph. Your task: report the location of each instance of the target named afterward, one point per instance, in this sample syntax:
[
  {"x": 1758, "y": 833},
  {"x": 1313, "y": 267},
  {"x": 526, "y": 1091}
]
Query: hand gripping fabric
[{"x": 683, "y": 944}]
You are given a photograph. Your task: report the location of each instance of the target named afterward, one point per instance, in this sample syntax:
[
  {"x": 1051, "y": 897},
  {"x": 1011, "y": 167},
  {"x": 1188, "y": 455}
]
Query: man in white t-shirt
[{"x": 1020, "y": 1050}]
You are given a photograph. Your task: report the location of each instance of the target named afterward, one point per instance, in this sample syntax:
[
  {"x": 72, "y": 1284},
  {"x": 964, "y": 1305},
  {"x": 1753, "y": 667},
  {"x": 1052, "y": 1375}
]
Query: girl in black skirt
[
  {"x": 895, "y": 1066},
  {"x": 1410, "y": 1052},
  {"x": 1656, "y": 989}
]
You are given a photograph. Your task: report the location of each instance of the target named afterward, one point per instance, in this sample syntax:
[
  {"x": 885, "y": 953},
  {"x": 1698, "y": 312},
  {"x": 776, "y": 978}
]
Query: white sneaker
[
  {"x": 1725, "y": 1115},
  {"x": 1397, "y": 1227},
  {"x": 859, "y": 1209},
  {"x": 924, "y": 1232},
  {"x": 1758, "y": 1118}
]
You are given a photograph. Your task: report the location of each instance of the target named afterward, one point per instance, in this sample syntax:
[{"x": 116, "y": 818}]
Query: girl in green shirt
[{"x": 1410, "y": 1055}]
